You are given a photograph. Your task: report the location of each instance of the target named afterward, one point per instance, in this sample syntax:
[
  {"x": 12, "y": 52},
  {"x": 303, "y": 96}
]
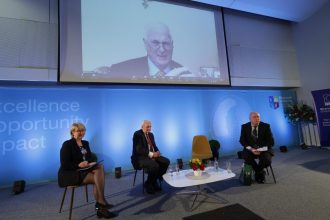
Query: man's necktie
[
  {"x": 255, "y": 133},
  {"x": 160, "y": 73},
  {"x": 151, "y": 148}
]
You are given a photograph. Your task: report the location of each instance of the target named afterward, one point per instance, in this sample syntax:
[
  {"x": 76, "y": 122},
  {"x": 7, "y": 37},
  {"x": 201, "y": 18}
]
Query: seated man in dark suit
[
  {"x": 158, "y": 62},
  {"x": 147, "y": 154},
  {"x": 257, "y": 140}
]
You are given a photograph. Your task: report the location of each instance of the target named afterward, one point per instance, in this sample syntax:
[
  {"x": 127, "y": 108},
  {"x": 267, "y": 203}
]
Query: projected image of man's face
[{"x": 159, "y": 46}]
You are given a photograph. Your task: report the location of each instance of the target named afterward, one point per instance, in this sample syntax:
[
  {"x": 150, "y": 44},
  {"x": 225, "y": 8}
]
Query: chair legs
[
  {"x": 71, "y": 202},
  {"x": 142, "y": 179},
  {"x": 86, "y": 192},
  {"x": 63, "y": 197},
  {"x": 271, "y": 169},
  {"x": 134, "y": 177},
  {"x": 72, "y": 197}
]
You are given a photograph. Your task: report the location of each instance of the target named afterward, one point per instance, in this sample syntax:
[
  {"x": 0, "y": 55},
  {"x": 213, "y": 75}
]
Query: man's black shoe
[
  {"x": 150, "y": 190},
  {"x": 261, "y": 181},
  {"x": 156, "y": 187},
  {"x": 256, "y": 176},
  {"x": 260, "y": 177}
]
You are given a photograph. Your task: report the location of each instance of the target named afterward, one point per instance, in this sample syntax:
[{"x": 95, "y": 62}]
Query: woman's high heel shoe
[
  {"x": 107, "y": 205},
  {"x": 104, "y": 213}
]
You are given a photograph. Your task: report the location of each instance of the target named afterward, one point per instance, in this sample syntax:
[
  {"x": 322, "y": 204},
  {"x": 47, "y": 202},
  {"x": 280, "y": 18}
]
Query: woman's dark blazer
[{"x": 71, "y": 156}]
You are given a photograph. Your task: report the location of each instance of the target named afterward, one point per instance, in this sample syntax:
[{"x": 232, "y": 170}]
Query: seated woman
[{"x": 75, "y": 155}]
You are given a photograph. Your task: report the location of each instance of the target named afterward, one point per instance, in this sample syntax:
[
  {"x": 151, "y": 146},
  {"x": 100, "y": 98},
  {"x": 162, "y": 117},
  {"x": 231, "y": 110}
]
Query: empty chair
[{"x": 201, "y": 147}]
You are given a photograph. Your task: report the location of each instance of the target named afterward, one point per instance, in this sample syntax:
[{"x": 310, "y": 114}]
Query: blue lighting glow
[{"x": 33, "y": 134}]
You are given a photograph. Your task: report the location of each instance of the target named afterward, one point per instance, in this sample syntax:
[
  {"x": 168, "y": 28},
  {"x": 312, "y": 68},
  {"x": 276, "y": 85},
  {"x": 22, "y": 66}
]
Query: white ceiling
[{"x": 292, "y": 10}]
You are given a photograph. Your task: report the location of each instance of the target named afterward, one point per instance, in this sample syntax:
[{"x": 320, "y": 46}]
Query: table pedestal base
[{"x": 203, "y": 190}]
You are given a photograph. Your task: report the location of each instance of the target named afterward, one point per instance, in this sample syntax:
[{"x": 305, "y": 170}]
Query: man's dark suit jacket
[
  {"x": 71, "y": 156},
  {"x": 140, "y": 146},
  {"x": 137, "y": 67},
  {"x": 265, "y": 136}
]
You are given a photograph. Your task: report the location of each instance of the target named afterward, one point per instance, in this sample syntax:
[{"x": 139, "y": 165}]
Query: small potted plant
[
  {"x": 215, "y": 147},
  {"x": 197, "y": 166},
  {"x": 302, "y": 115}
]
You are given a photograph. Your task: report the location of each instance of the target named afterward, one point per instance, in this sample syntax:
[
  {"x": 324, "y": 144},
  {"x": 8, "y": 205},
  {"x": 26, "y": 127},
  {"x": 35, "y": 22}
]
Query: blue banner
[
  {"x": 34, "y": 122},
  {"x": 322, "y": 104}
]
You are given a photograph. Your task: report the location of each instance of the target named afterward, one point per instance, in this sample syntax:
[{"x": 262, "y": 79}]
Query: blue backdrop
[{"x": 35, "y": 121}]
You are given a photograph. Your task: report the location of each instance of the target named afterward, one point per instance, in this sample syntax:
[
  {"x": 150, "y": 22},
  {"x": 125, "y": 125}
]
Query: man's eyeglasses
[{"x": 167, "y": 45}]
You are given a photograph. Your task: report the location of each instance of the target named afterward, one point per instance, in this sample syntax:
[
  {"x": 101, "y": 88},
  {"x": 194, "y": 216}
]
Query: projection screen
[{"x": 139, "y": 41}]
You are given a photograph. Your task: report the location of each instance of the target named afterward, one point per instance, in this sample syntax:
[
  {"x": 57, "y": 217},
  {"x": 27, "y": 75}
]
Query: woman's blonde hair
[{"x": 76, "y": 127}]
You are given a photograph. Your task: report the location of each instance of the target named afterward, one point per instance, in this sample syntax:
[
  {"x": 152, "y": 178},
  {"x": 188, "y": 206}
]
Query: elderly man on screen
[
  {"x": 257, "y": 140},
  {"x": 158, "y": 62}
]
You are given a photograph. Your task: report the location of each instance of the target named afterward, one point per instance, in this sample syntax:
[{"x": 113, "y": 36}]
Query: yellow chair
[{"x": 201, "y": 148}]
